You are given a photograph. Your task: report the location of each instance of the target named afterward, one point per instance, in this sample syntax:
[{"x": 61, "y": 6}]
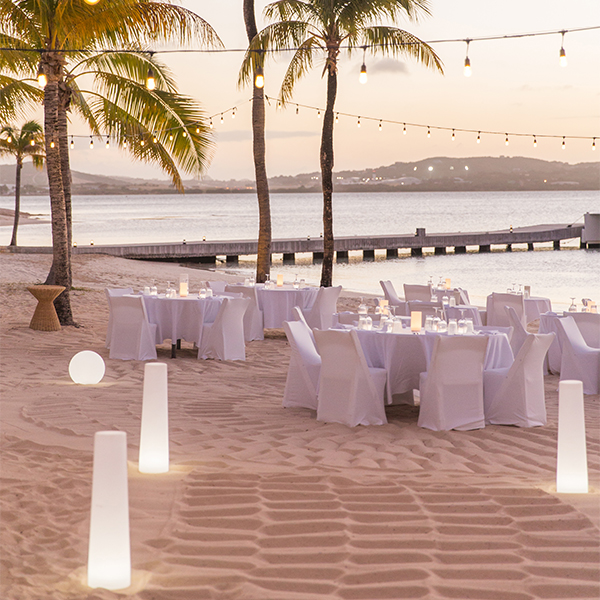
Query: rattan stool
[{"x": 45, "y": 317}]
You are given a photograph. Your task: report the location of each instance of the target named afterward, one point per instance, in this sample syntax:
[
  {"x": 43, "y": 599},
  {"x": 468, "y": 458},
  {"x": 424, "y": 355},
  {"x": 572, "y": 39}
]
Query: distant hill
[{"x": 432, "y": 174}]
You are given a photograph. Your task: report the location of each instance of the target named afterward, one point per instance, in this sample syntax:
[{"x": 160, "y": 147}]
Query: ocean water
[{"x": 559, "y": 275}]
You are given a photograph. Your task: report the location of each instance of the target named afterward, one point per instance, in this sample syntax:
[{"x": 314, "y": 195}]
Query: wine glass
[
  {"x": 436, "y": 320},
  {"x": 462, "y": 324},
  {"x": 296, "y": 282},
  {"x": 573, "y": 307},
  {"x": 363, "y": 309},
  {"x": 153, "y": 288}
]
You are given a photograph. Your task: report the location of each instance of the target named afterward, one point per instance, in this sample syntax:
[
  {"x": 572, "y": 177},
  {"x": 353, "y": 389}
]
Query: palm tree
[
  {"x": 22, "y": 143},
  {"x": 324, "y": 28},
  {"x": 263, "y": 259},
  {"x": 105, "y": 49}
]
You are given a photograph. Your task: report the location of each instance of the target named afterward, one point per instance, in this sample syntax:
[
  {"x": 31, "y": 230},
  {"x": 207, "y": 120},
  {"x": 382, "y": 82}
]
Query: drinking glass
[
  {"x": 296, "y": 282},
  {"x": 436, "y": 320},
  {"x": 462, "y": 324},
  {"x": 573, "y": 307},
  {"x": 470, "y": 329},
  {"x": 442, "y": 325},
  {"x": 452, "y": 327},
  {"x": 363, "y": 309},
  {"x": 428, "y": 322},
  {"x": 153, "y": 288}
]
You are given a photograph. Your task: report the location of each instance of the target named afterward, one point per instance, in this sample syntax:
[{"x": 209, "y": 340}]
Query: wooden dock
[{"x": 208, "y": 251}]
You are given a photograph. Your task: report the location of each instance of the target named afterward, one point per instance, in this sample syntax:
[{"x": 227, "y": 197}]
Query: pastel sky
[{"x": 516, "y": 86}]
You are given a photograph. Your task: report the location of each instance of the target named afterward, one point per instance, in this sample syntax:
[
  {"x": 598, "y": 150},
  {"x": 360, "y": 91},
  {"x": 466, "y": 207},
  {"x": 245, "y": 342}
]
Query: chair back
[
  {"x": 589, "y": 326},
  {"x": 347, "y": 392},
  {"x": 305, "y": 367},
  {"x": 299, "y": 316},
  {"x": 253, "y": 317},
  {"x": 390, "y": 293},
  {"x": 426, "y": 308},
  {"x": 417, "y": 292},
  {"x": 224, "y": 338},
  {"x": 110, "y": 293},
  {"x": 216, "y": 286},
  {"x": 132, "y": 336},
  {"x": 569, "y": 333},
  {"x": 519, "y": 334},
  {"x": 496, "y": 315},
  {"x": 321, "y": 314}
]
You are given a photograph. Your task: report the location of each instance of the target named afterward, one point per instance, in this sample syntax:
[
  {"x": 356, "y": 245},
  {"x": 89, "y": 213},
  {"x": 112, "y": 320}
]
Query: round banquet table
[
  {"x": 181, "y": 318},
  {"x": 536, "y": 306},
  {"x": 405, "y": 356},
  {"x": 277, "y": 303}
]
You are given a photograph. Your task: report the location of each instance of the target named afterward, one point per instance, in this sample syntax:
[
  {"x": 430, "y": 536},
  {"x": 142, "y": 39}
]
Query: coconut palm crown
[
  {"x": 95, "y": 61},
  {"x": 322, "y": 29}
]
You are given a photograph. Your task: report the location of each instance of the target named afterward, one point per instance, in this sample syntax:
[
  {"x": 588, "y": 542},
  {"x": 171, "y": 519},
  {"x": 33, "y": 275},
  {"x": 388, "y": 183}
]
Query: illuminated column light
[
  {"x": 467, "y": 70},
  {"x": 154, "y": 437},
  {"x": 571, "y": 460},
  {"x": 109, "y": 553},
  {"x": 562, "y": 57}
]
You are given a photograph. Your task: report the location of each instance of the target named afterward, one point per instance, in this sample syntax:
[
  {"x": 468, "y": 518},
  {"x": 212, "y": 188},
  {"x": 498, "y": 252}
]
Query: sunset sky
[{"x": 517, "y": 86}]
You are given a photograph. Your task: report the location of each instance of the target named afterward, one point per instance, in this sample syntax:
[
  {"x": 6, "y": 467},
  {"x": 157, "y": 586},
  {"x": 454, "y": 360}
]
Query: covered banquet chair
[
  {"x": 578, "y": 361},
  {"x": 303, "y": 373},
  {"x": 451, "y": 391},
  {"x": 111, "y": 293},
  {"x": 496, "y": 315},
  {"x": 349, "y": 391},
  {"x": 253, "y": 317},
  {"x": 132, "y": 336},
  {"x": 218, "y": 287},
  {"x": 390, "y": 294},
  {"x": 515, "y": 395},
  {"x": 320, "y": 315},
  {"x": 299, "y": 316},
  {"x": 519, "y": 333},
  {"x": 224, "y": 338},
  {"x": 417, "y": 292}
]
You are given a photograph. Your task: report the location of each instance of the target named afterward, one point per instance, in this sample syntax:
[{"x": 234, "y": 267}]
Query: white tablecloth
[
  {"x": 181, "y": 318},
  {"x": 406, "y": 356},
  {"x": 277, "y": 303}
]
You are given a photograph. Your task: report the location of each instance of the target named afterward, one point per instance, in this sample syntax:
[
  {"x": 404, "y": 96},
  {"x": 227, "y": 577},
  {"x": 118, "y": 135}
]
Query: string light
[
  {"x": 506, "y": 140},
  {"x": 154, "y": 139},
  {"x": 107, "y": 143},
  {"x": 142, "y": 142},
  {"x": 91, "y": 143},
  {"x": 562, "y": 57},
  {"x": 563, "y": 145},
  {"x": 92, "y": 2},
  {"x": 428, "y": 131},
  {"x": 337, "y": 117},
  {"x": 453, "y": 135},
  {"x": 197, "y": 128},
  {"x": 278, "y": 104},
  {"x": 171, "y": 135},
  {"x": 185, "y": 132},
  {"x": 534, "y": 142},
  {"x": 479, "y": 137},
  {"x": 362, "y": 78},
  {"x": 318, "y": 114},
  {"x": 51, "y": 144},
  {"x": 404, "y": 130},
  {"x": 72, "y": 143},
  {"x": 594, "y": 144},
  {"x": 32, "y": 143},
  {"x": 380, "y": 126},
  {"x": 9, "y": 140},
  {"x": 259, "y": 79},
  {"x": 233, "y": 113},
  {"x": 358, "y": 122},
  {"x": 150, "y": 81},
  {"x": 41, "y": 77},
  {"x": 210, "y": 124},
  {"x": 467, "y": 60},
  {"x": 221, "y": 118},
  {"x": 297, "y": 109}
]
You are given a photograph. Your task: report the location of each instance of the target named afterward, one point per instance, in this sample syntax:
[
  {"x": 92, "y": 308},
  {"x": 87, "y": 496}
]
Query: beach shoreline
[{"x": 266, "y": 503}]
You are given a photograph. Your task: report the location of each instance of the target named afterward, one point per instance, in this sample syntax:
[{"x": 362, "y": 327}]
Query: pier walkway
[{"x": 208, "y": 251}]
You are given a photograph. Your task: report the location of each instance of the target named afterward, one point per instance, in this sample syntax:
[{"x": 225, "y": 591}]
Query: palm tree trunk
[
  {"x": 263, "y": 259},
  {"x": 13, "y": 239},
  {"x": 327, "y": 179},
  {"x": 61, "y": 264},
  {"x": 65, "y": 165}
]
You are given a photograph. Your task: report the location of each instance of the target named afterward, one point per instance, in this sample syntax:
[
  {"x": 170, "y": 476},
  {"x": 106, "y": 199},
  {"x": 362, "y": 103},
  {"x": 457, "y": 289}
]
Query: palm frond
[
  {"x": 17, "y": 97},
  {"x": 291, "y": 10},
  {"x": 301, "y": 63}
]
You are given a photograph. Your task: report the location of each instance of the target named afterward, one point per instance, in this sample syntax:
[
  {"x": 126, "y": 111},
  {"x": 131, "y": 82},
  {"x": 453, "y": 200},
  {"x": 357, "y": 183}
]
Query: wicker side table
[{"x": 45, "y": 317}]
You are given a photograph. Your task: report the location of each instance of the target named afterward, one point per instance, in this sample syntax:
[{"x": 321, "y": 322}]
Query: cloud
[{"x": 387, "y": 65}]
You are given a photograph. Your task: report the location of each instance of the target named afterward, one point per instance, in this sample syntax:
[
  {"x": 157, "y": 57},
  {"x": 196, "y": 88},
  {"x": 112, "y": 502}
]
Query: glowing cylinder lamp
[
  {"x": 86, "y": 367},
  {"x": 154, "y": 437},
  {"x": 415, "y": 320},
  {"x": 280, "y": 280},
  {"x": 571, "y": 463},
  {"x": 448, "y": 280},
  {"x": 109, "y": 556},
  {"x": 184, "y": 282}
]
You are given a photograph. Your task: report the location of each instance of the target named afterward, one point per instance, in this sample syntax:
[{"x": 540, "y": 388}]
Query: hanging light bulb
[
  {"x": 32, "y": 143},
  {"x": 467, "y": 61},
  {"x": 92, "y": 2},
  {"x": 221, "y": 118},
  {"x": 404, "y": 130},
  {"x": 362, "y": 78},
  {"x": 563, "y": 145},
  {"x": 358, "y": 122},
  {"x": 9, "y": 140},
  {"x": 107, "y": 143},
  {"x": 337, "y": 117},
  {"x": 453, "y": 135},
  {"x": 233, "y": 113},
  {"x": 259, "y": 78},
  {"x": 506, "y": 140},
  {"x": 171, "y": 135},
  {"x": 184, "y": 133},
  {"x": 380, "y": 126},
  {"x": 142, "y": 143},
  {"x": 124, "y": 142},
  {"x": 297, "y": 109},
  {"x": 150, "y": 81},
  {"x": 91, "y": 143},
  {"x": 198, "y": 128},
  {"x": 41, "y": 77},
  {"x": 562, "y": 57},
  {"x": 534, "y": 142},
  {"x": 72, "y": 144},
  {"x": 154, "y": 139},
  {"x": 594, "y": 144},
  {"x": 479, "y": 137},
  {"x": 318, "y": 114},
  {"x": 278, "y": 104},
  {"x": 51, "y": 144},
  {"x": 210, "y": 124},
  {"x": 428, "y": 132}
]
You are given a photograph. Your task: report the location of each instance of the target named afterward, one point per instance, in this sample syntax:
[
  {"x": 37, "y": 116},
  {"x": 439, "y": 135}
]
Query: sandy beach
[{"x": 266, "y": 503}]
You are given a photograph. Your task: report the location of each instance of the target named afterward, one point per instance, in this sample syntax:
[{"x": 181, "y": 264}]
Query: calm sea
[{"x": 171, "y": 218}]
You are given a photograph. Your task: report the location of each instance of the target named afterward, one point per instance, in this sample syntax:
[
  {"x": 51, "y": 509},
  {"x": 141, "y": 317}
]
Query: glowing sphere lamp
[
  {"x": 571, "y": 462},
  {"x": 87, "y": 368},
  {"x": 154, "y": 437},
  {"x": 109, "y": 555}
]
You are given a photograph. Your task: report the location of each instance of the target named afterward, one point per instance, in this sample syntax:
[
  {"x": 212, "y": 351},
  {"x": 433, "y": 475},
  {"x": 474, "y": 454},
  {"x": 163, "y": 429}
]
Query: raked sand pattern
[{"x": 265, "y": 503}]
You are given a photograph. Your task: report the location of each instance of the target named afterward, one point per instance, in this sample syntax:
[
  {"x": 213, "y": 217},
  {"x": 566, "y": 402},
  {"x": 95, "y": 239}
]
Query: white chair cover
[
  {"x": 132, "y": 337},
  {"x": 390, "y": 294},
  {"x": 579, "y": 361},
  {"x": 111, "y": 293},
  {"x": 519, "y": 334},
  {"x": 417, "y": 292},
  {"x": 426, "y": 308},
  {"x": 349, "y": 391},
  {"x": 254, "y": 318},
  {"x": 224, "y": 339},
  {"x": 496, "y": 315},
  {"x": 320, "y": 316},
  {"x": 218, "y": 287},
  {"x": 466, "y": 311},
  {"x": 515, "y": 395},
  {"x": 305, "y": 367},
  {"x": 451, "y": 391},
  {"x": 589, "y": 325}
]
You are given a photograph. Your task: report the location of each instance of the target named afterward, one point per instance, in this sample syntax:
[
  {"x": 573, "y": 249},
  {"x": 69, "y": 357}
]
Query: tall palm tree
[
  {"x": 96, "y": 61},
  {"x": 325, "y": 28},
  {"x": 20, "y": 144},
  {"x": 263, "y": 259}
]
